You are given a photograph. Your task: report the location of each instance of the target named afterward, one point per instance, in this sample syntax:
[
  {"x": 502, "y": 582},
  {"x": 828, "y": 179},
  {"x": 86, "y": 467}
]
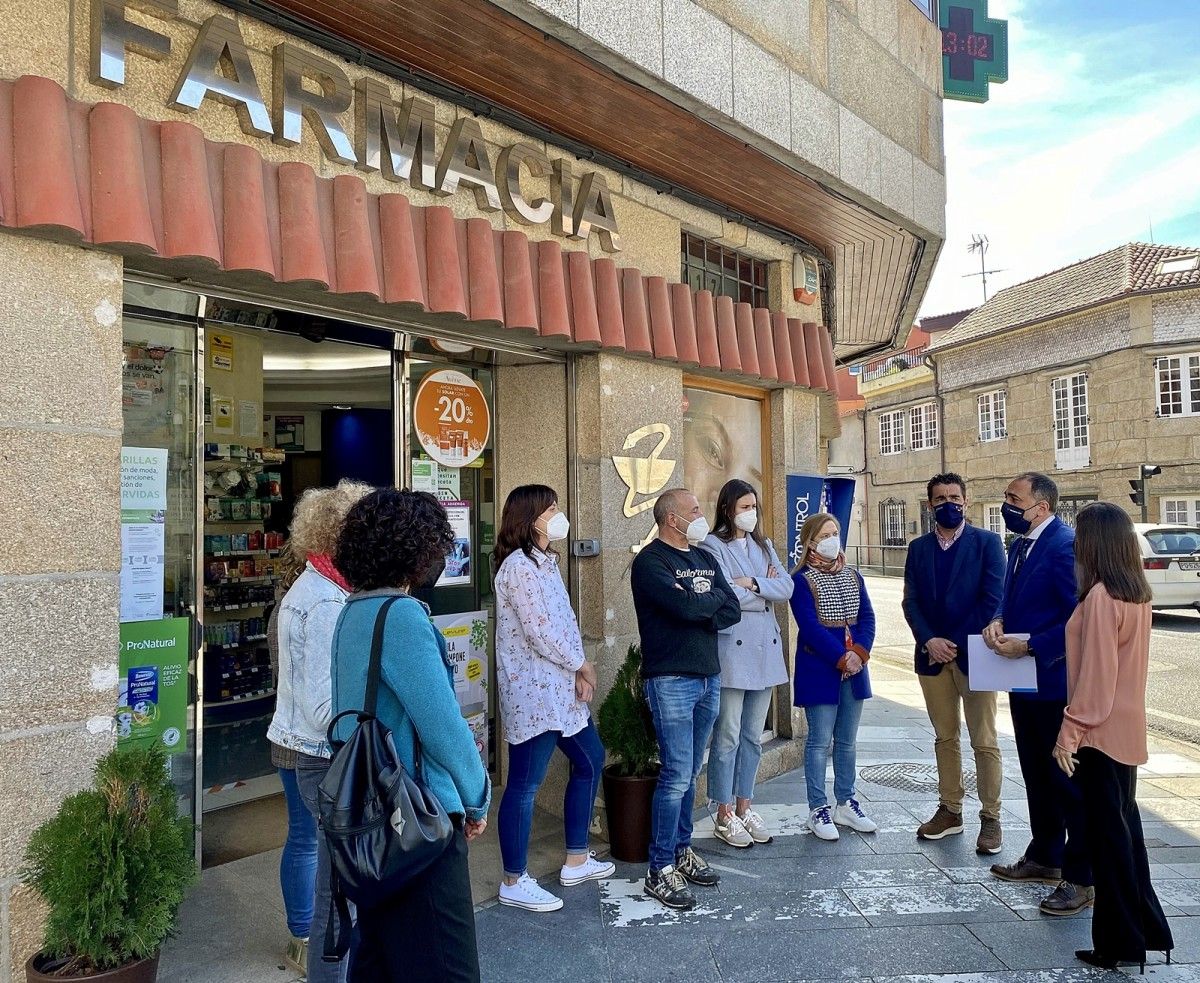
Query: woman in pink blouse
[
  {"x": 545, "y": 688},
  {"x": 1103, "y": 735}
]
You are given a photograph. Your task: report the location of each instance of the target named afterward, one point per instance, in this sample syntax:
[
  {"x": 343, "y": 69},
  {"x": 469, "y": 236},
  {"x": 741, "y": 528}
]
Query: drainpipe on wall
[{"x": 941, "y": 403}]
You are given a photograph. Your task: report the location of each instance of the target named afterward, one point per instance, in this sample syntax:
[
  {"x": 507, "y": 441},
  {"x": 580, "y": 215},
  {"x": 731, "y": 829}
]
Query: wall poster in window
[
  {"x": 467, "y": 646},
  {"x": 458, "y": 560},
  {"x": 722, "y": 439}
]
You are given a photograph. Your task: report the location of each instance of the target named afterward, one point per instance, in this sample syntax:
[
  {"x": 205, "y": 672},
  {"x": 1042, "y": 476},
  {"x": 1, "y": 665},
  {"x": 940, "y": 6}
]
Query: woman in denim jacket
[
  {"x": 394, "y": 541},
  {"x": 305, "y": 621}
]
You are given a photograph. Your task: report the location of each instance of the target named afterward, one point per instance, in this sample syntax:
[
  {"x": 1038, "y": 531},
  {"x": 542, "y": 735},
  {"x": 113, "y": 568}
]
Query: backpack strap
[
  {"x": 337, "y": 945},
  {"x": 375, "y": 668}
]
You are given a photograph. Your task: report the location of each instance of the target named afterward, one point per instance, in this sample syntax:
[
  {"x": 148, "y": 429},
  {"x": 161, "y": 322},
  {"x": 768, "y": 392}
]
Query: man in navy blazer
[
  {"x": 953, "y": 579},
  {"x": 1039, "y": 598}
]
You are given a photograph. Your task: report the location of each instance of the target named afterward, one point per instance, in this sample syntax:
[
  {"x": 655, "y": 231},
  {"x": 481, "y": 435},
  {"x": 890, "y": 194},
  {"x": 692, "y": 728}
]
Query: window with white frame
[
  {"x": 891, "y": 432},
  {"x": 1180, "y": 511},
  {"x": 1070, "y": 399},
  {"x": 993, "y": 519},
  {"x": 1178, "y": 378},
  {"x": 924, "y": 426},
  {"x": 993, "y": 415}
]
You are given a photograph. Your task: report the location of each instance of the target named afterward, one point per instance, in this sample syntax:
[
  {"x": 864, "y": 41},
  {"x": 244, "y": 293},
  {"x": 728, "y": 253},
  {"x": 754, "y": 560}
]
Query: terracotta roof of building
[
  {"x": 1128, "y": 269},
  {"x": 99, "y": 174},
  {"x": 943, "y": 322}
]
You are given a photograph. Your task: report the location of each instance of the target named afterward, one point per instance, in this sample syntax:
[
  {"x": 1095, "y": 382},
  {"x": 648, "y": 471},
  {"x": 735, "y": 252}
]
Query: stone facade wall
[
  {"x": 1060, "y": 342},
  {"x": 1177, "y": 317},
  {"x": 60, "y": 442},
  {"x": 848, "y": 91}
]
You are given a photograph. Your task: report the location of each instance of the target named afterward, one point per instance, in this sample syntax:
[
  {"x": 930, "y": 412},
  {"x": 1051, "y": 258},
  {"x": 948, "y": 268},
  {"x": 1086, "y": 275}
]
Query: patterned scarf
[
  {"x": 836, "y": 594},
  {"x": 815, "y": 559},
  {"x": 323, "y": 564}
]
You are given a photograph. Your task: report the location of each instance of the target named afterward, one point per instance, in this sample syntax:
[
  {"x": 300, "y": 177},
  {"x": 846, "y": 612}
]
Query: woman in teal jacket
[{"x": 393, "y": 541}]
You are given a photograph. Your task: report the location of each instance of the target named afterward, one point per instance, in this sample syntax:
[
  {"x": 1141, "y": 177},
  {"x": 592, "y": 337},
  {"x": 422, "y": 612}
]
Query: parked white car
[{"x": 1171, "y": 556}]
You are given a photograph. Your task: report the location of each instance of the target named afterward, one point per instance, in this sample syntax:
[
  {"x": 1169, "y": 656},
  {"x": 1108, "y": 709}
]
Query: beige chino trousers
[{"x": 945, "y": 693}]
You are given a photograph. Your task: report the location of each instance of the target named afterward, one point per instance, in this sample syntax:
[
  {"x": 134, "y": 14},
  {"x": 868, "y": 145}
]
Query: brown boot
[
  {"x": 1027, "y": 870},
  {"x": 944, "y": 823},
  {"x": 991, "y": 837}
]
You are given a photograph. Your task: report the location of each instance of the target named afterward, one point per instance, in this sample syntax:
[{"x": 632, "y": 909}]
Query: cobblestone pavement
[{"x": 880, "y": 907}]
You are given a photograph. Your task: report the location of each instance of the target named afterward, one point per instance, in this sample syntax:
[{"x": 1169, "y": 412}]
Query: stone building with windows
[
  {"x": 249, "y": 246},
  {"x": 1085, "y": 373}
]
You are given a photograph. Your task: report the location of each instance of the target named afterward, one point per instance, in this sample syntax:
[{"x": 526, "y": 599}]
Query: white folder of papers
[{"x": 992, "y": 672}]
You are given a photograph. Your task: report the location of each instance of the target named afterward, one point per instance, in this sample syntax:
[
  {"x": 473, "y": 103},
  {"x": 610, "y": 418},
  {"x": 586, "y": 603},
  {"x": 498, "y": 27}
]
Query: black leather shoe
[
  {"x": 1068, "y": 899},
  {"x": 1027, "y": 870},
  {"x": 1093, "y": 958}
]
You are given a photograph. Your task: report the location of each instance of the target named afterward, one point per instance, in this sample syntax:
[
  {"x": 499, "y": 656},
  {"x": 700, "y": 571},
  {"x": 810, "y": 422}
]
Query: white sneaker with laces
[
  {"x": 849, "y": 813},
  {"x": 733, "y": 831},
  {"x": 527, "y": 894},
  {"x": 590, "y": 870},
  {"x": 822, "y": 825},
  {"x": 755, "y": 826}
]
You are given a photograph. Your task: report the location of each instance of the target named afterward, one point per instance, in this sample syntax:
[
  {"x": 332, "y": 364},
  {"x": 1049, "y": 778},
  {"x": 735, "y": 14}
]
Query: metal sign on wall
[{"x": 974, "y": 49}]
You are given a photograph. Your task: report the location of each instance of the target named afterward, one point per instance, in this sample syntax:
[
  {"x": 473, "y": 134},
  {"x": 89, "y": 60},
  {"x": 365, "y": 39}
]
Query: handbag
[{"x": 382, "y": 826}]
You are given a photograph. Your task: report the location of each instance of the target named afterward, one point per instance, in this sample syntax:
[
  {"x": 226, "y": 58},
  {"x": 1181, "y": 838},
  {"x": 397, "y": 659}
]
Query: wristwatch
[
  {"x": 754, "y": 584},
  {"x": 1028, "y": 649}
]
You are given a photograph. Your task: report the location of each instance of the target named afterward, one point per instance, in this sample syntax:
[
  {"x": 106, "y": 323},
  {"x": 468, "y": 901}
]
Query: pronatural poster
[
  {"x": 467, "y": 645},
  {"x": 143, "y": 531},
  {"x": 458, "y": 560},
  {"x": 152, "y": 701}
]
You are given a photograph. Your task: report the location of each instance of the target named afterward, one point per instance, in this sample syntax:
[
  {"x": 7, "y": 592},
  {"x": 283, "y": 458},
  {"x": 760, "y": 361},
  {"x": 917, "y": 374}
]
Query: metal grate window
[
  {"x": 891, "y": 432},
  {"x": 993, "y": 415},
  {"x": 924, "y": 426},
  {"x": 1178, "y": 378},
  {"x": 725, "y": 272},
  {"x": 1070, "y": 401},
  {"x": 891, "y": 523},
  {"x": 1069, "y": 506}
]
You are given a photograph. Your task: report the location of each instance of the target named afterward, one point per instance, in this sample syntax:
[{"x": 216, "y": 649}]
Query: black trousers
[
  {"x": 1056, "y": 817},
  {"x": 426, "y": 934},
  {"x": 1127, "y": 919}
]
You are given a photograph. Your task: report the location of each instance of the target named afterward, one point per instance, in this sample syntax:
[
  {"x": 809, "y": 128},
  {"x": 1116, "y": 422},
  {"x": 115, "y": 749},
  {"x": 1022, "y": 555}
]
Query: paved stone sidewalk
[{"x": 880, "y": 907}]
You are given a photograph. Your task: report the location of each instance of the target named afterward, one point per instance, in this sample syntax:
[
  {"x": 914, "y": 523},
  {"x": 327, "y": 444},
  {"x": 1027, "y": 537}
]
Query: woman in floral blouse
[{"x": 545, "y": 688}]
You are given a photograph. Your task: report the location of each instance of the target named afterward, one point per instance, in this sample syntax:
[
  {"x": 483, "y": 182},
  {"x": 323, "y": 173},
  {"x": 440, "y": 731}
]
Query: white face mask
[
  {"x": 558, "y": 527},
  {"x": 697, "y": 530},
  {"x": 746, "y": 521},
  {"x": 829, "y": 547}
]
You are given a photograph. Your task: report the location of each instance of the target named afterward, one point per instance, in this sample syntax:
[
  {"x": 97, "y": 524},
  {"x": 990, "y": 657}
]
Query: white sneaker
[
  {"x": 528, "y": 895},
  {"x": 590, "y": 870},
  {"x": 732, "y": 831},
  {"x": 821, "y": 825},
  {"x": 755, "y": 826},
  {"x": 849, "y": 813}
]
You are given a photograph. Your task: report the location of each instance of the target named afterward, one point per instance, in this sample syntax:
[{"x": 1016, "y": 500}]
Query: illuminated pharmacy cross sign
[{"x": 974, "y": 50}]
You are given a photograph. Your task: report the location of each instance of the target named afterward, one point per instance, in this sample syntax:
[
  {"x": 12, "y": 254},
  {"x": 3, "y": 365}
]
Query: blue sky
[{"x": 1095, "y": 136}]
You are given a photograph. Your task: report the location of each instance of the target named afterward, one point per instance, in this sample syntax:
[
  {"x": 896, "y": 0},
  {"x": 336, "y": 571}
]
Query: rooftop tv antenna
[{"x": 979, "y": 244}]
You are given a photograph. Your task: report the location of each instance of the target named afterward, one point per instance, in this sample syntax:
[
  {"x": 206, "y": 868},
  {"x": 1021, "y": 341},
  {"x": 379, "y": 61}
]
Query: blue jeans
[
  {"x": 839, "y": 724},
  {"x": 684, "y": 710},
  {"x": 298, "y": 864},
  {"x": 527, "y": 764},
  {"x": 737, "y": 744},
  {"x": 309, "y": 773}
]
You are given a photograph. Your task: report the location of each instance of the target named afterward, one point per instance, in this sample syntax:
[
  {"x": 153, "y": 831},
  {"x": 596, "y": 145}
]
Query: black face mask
[{"x": 435, "y": 572}]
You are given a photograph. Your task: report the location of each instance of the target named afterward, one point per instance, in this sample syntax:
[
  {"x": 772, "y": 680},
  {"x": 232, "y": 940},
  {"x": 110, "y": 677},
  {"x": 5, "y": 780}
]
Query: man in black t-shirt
[{"x": 682, "y": 600}]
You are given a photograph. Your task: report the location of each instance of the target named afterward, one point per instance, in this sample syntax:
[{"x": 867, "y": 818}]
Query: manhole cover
[{"x": 908, "y": 776}]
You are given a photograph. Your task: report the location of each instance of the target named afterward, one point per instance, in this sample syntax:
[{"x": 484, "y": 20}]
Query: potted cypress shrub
[
  {"x": 112, "y": 867},
  {"x": 627, "y": 730}
]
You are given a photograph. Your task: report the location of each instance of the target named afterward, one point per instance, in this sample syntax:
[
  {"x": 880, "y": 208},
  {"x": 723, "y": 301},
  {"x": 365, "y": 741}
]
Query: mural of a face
[{"x": 722, "y": 439}]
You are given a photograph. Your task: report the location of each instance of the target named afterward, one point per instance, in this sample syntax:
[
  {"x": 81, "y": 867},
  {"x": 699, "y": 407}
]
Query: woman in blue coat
[{"x": 836, "y": 631}]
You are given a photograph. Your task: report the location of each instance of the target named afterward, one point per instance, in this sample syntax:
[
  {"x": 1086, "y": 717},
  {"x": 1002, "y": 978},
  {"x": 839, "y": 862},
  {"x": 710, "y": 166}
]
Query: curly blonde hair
[{"x": 318, "y": 517}]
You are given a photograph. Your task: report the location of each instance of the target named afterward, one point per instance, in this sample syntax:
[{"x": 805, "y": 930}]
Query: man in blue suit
[
  {"x": 1039, "y": 598},
  {"x": 953, "y": 579}
]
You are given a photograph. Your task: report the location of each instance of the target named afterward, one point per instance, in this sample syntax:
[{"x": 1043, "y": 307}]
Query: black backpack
[{"x": 382, "y": 827}]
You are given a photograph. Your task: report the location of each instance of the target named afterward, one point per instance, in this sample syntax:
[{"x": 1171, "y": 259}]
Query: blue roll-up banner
[
  {"x": 804, "y": 497},
  {"x": 809, "y": 494},
  {"x": 839, "y": 499}
]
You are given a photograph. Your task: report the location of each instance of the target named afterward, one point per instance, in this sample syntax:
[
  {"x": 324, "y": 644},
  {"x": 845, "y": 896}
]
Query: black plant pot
[
  {"x": 627, "y": 804},
  {"x": 41, "y": 968}
]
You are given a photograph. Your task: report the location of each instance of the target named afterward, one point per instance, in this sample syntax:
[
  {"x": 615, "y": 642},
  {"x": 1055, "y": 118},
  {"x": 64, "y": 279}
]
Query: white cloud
[{"x": 1066, "y": 160}]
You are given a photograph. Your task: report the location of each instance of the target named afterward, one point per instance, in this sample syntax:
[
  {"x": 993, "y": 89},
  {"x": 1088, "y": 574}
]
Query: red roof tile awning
[{"x": 100, "y": 174}]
